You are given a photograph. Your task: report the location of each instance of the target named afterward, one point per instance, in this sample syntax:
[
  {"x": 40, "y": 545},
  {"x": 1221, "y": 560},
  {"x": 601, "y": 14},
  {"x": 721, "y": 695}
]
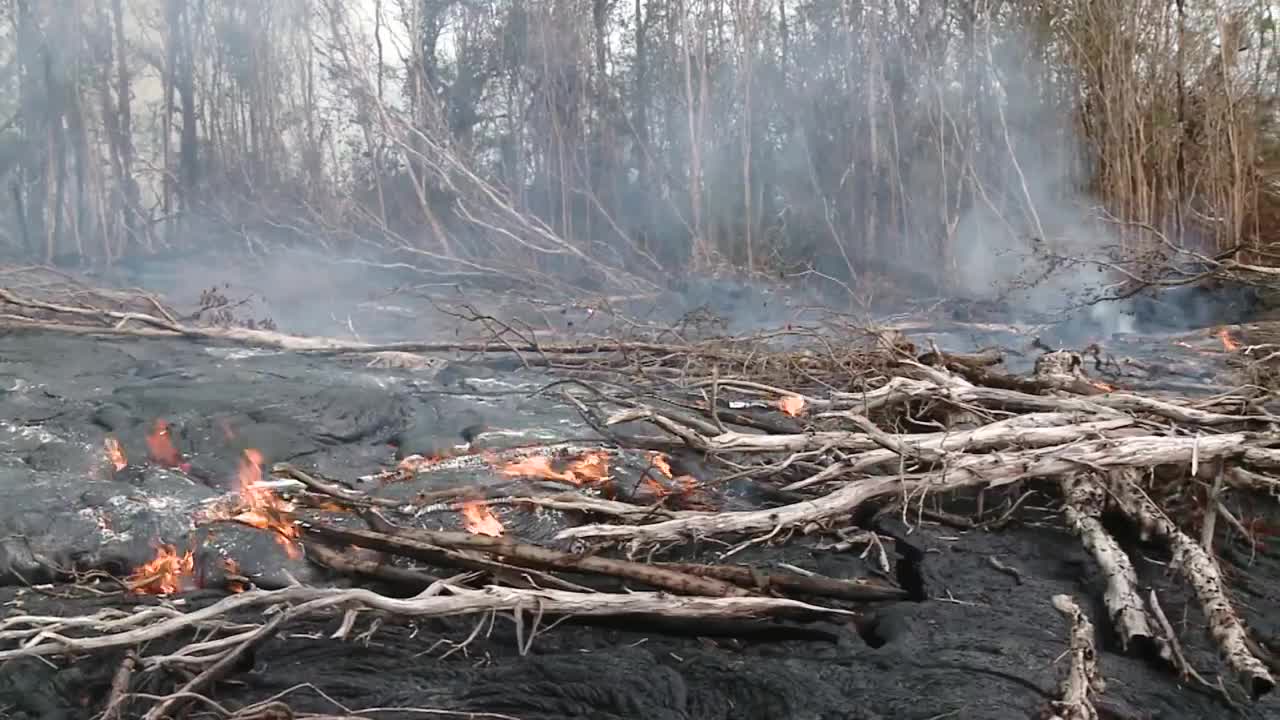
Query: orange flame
[
  {"x": 115, "y": 453},
  {"x": 261, "y": 508},
  {"x": 1228, "y": 344},
  {"x": 480, "y": 520},
  {"x": 659, "y": 461},
  {"x": 792, "y": 405},
  {"x": 591, "y": 468},
  {"x": 166, "y": 574},
  {"x": 1104, "y": 387},
  {"x": 160, "y": 446}
]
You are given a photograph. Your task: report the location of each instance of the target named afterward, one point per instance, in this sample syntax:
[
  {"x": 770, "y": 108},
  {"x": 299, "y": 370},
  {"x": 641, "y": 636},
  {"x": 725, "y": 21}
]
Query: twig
[{"x": 220, "y": 669}]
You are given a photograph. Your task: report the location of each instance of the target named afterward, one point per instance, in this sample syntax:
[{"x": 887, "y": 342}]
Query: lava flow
[
  {"x": 166, "y": 574},
  {"x": 592, "y": 468}
]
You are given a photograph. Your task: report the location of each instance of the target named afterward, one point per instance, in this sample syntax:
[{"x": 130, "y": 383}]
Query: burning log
[{"x": 1082, "y": 672}]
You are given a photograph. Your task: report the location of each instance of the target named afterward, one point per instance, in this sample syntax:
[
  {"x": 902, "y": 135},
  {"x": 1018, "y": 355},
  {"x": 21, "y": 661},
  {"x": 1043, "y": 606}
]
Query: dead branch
[
  {"x": 217, "y": 671},
  {"x": 426, "y": 545},
  {"x": 1201, "y": 571},
  {"x": 858, "y": 590},
  {"x": 1085, "y": 500},
  {"x": 442, "y": 600},
  {"x": 120, "y": 685},
  {"x": 1082, "y": 673},
  {"x": 985, "y": 470}
]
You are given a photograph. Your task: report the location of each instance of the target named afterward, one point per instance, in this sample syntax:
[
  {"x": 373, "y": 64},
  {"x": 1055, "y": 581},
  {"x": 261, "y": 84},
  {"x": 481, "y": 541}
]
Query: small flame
[
  {"x": 115, "y": 453},
  {"x": 1104, "y": 387},
  {"x": 1228, "y": 344},
  {"x": 792, "y": 405},
  {"x": 261, "y": 508},
  {"x": 166, "y": 574},
  {"x": 660, "y": 462},
  {"x": 591, "y": 468},
  {"x": 480, "y": 520},
  {"x": 160, "y": 447}
]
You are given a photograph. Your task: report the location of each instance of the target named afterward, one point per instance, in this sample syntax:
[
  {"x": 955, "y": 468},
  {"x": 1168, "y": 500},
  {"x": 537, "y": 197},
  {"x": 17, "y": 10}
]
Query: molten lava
[
  {"x": 166, "y": 574},
  {"x": 115, "y": 453},
  {"x": 480, "y": 520},
  {"x": 792, "y": 405},
  {"x": 591, "y": 468}
]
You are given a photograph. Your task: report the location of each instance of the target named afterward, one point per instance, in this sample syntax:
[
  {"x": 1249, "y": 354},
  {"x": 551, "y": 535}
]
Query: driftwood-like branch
[
  {"x": 1201, "y": 571},
  {"x": 1082, "y": 672},
  {"x": 1085, "y": 499},
  {"x": 987, "y": 470},
  {"x": 439, "y": 601}
]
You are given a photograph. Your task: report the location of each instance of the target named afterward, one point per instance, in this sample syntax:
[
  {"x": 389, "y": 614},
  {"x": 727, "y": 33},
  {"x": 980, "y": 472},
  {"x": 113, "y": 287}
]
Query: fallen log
[
  {"x": 426, "y": 545},
  {"x": 1084, "y": 500},
  {"x": 1201, "y": 571},
  {"x": 858, "y": 590},
  {"x": 963, "y": 471}
]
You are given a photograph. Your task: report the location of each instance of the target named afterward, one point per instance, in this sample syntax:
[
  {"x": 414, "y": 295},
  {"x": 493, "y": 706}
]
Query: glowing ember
[
  {"x": 659, "y": 461},
  {"x": 166, "y": 574},
  {"x": 115, "y": 453},
  {"x": 261, "y": 508},
  {"x": 792, "y": 405},
  {"x": 591, "y": 468},
  {"x": 480, "y": 520},
  {"x": 160, "y": 447},
  {"x": 1103, "y": 386},
  {"x": 1228, "y": 345}
]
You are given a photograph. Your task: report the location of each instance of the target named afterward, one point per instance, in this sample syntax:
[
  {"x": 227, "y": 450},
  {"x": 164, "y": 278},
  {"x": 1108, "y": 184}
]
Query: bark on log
[
  {"x": 1085, "y": 500},
  {"x": 426, "y": 545},
  {"x": 1201, "y": 571},
  {"x": 859, "y": 590}
]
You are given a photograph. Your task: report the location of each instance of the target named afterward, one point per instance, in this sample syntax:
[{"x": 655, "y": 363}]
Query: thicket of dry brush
[{"x": 604, "y": 135}]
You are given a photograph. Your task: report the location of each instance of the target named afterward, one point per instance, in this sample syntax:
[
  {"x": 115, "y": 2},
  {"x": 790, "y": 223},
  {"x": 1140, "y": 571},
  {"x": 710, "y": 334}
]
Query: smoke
[{"x": 1029, "y": 237}]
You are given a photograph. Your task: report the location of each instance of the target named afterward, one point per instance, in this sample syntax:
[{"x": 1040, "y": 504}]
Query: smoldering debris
[{"x": 635, "y": 524}]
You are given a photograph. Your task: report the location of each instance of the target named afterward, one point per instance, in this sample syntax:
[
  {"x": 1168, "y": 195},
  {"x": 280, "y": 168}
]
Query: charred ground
[{"x": 974, "y": 635}]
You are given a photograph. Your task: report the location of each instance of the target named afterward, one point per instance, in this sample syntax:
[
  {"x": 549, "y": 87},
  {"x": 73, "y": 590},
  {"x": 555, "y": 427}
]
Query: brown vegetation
[{"x": 608, "y": 142}]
